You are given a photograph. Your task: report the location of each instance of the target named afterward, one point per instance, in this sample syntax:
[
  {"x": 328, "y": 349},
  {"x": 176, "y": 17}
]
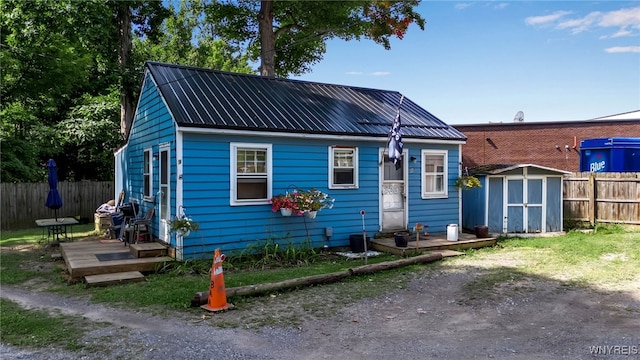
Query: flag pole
[
  {"x": 397, "y": 114},
  {"x": 394, "y": 142}
]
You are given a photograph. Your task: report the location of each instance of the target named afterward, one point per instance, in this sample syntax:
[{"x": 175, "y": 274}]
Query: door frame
[
  {"x": 382, "y": 155},
  {"x": 164, "y": 193}
]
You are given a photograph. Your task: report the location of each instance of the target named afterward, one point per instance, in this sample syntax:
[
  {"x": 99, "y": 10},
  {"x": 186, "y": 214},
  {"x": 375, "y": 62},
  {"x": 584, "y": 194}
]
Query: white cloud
[
  {"x": 625, "y": 20},
  {"x": 546, "y": 19},
  {"x": 622, "y": 18},
  {"x": 462, "y": 6},
  {"x": 380, "y": 73},
  {"x": 354, "y": 72},
  {"x": 579, "y": 25},
  {"x": 501, "y": 5},
  {"x": 621, "y": 33},
  {"x": 623, "y": 49}
]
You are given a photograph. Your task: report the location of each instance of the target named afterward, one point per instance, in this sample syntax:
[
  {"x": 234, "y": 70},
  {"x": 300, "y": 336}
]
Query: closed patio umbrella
[{"x": 54, "y": 201}]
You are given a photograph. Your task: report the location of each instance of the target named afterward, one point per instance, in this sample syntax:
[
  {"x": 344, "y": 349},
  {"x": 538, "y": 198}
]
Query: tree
[
  {"x": 186, "y": 40},
  {"x": 50, "y": 55},
  {"x": 290, "y": 36},
  {"x": 146, "y": 16},
  {"x": 59, "y": 66}
]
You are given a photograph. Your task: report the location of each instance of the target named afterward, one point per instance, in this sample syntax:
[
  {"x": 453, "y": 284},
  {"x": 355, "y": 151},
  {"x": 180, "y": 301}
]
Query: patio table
[{"x": 57, "y": 228}]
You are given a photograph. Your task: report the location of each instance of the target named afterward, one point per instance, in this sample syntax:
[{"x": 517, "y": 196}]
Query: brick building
[{"x": 554, "y": 144}]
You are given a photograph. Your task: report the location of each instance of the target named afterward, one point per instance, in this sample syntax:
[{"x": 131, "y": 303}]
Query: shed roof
[
  {"x": 494, "y": 169},
  {"x": 214, "y": 99}
]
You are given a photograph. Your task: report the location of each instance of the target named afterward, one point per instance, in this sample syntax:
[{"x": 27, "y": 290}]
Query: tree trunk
[
  {"x": 124, "y": 59},
  {"x": 267, "y": 39},
  {"x": 201, "y": 298}
]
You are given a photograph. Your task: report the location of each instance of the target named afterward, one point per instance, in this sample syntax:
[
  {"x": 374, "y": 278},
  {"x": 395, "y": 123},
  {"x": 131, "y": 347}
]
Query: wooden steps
[
  {"x": 113, "y": 278},
  {"x": 106, "y": 262},
  {"x": 146, "y": 250}
]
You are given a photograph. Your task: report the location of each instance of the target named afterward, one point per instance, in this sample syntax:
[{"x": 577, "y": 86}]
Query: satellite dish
[{"x": 519, "y": 117}]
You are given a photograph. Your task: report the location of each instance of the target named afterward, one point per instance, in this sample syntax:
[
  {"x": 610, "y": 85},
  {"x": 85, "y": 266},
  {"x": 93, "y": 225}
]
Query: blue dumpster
[{"x": 610, "y": 155}]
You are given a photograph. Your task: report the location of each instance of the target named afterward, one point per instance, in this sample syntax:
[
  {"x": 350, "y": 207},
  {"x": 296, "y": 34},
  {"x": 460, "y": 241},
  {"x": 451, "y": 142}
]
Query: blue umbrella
[{"x": 54, "y": 201}]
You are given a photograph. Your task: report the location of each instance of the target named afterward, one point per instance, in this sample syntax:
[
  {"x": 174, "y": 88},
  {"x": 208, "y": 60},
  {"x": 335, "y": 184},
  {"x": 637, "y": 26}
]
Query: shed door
[
  {"x": 524, "y": 205},
  {"x": 392, "y": 195}
]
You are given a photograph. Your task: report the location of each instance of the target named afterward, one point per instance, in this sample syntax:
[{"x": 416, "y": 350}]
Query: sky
[{"x": 483, "y": 61}]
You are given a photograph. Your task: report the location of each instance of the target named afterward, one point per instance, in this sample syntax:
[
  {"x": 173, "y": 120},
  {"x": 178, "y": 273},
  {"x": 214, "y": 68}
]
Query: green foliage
[
  {"x": 184, "y": 224},
  {"x": 467, "y": 182},
  {"x": 300, "y": 29},
  {"x": 186, "y": 40},
  {"x": 187, "y": 267},
  {"x": 62, "y": 83},
  {"x": 603, "y": 229},
  {"x": 55, "y": 51},
  {"x": 274, "y": 253}
]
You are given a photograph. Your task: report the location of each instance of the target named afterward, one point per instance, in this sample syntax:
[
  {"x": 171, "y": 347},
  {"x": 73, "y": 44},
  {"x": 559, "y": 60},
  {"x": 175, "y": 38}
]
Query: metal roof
[
  {"x": 495, "y": 169},
  {"x": 215, "y": 99}
]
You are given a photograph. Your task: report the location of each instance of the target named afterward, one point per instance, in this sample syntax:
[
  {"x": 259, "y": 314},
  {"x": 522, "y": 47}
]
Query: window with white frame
[
  {"x": 147, "y": 173},
  {"x": 343, "y": 167},
  {"x": 250, "y": 173},
  {"x": 434, "y": 174}
]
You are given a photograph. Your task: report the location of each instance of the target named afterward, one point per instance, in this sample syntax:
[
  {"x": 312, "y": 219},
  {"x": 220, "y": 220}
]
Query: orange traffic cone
[{"x": 217, "y": 292}]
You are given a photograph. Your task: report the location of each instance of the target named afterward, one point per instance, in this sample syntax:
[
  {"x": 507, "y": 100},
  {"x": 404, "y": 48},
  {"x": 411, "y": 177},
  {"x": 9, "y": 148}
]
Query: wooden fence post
[{"x": 591, "y": 194}]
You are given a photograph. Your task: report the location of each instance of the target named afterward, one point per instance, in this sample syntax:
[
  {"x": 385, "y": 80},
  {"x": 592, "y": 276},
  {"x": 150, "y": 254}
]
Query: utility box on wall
[{"x": 610, "y": 155}]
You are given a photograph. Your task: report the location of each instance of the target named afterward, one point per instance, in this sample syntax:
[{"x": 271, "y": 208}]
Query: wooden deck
[
  {"x": 99, "y": 257},
  {"x": 431, "y": 243}
]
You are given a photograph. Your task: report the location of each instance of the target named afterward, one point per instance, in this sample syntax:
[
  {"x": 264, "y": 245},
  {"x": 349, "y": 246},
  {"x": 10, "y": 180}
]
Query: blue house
[
  {"x": 217, "y": 146},
  {"x": 515, "y": 199}
]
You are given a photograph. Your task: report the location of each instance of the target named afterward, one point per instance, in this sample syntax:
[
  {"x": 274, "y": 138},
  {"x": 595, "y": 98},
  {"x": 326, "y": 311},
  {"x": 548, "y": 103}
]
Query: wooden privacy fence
[
  {"x": 23, "y": 203},
  {"x": 602, "y": 197}
]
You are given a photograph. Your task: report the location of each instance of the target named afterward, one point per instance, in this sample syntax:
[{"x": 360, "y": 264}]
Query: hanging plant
[
  {"x": 183, "y": 224},
  {"x": 467, "y": 182}
]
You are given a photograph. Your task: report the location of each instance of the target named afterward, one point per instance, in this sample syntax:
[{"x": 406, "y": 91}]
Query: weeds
[
  {"x": 273, "y": 253},
  {"x": 186, "y": 267}
]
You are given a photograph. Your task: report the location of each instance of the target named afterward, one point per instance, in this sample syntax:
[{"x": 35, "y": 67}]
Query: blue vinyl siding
[
  {"x": 152, "y": 126},
  {"x": 296, "y": 164},
  {"x": 436, "y": 213},
  {"x": 473, "y": 206}
]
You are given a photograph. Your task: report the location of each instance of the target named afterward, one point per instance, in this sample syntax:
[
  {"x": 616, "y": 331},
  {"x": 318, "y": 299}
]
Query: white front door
[
  {"x": 165, "y": 194},
  {"x": 392, "y": 195}
]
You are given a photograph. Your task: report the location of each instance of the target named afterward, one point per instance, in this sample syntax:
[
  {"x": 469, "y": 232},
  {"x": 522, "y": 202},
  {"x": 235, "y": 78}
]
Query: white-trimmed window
[
  {"x": 251, "y": 173},
  {"x": 343, "y": 167},
  {"x": 434, "y": 174},
  {"x": 147, "y": 173}
]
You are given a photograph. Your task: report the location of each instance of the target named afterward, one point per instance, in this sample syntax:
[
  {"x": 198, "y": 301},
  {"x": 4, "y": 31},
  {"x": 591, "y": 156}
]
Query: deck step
[
  {"x": 146, "y": 250},
  {"x": 113, "y": 278}
]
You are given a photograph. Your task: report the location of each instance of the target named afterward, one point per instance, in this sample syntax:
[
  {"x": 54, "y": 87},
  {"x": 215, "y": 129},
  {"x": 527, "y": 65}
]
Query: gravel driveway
[{"x": 436, "y": 316}]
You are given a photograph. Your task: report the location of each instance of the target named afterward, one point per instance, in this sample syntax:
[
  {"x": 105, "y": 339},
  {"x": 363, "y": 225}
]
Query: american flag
[{"x": 395, "y": 140}]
